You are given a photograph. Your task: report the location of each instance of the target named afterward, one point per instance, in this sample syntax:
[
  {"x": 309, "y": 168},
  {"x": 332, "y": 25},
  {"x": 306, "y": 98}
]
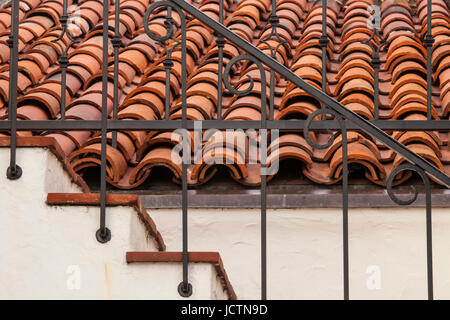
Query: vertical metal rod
[
  {"x": 263, "y": 153},
  {"x": 345, "y": 209},
  {"x": 376, "y": 66},
  {"x": 14, "y": 171},
  {"x": 272, "y": 94},
  {"x": 184, "y": 169},
  {"x": 429, "y": 236},
  {"x": 220, "y": 43},
  {"x": 274, "y": 22},
  {"x": 263, "y": 215},
  {"x": 429, "y": 224},
  {"x": 376, "y": 60},
  {"x": 429, "y": 40},
  {"x": 63, "y": 62},
  {"x": 323, "y": 41},
  {"x": 168, "y": 63},
  {"x": 185, "y": 288},
  {"x": 376, "y": 55},
  {"x": 103, "y": 234},
  {"x": 116, "y": 45}
]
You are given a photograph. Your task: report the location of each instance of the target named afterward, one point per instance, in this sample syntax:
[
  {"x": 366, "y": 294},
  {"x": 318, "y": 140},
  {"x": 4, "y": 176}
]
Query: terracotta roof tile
[{"x": 142, "y": 78}]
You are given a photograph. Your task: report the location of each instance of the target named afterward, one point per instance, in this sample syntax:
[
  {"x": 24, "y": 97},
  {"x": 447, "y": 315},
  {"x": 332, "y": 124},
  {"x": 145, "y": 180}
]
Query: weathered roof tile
[{"x": 142, "y": 78}]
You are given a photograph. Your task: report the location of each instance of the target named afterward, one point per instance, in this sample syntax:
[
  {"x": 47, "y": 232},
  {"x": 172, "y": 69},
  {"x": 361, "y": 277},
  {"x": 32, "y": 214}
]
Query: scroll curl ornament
[
  {"x": 168, "y": 22},
  {"x": 246, "y": 91},
  {"x": 395, "y": 172},
  {"x": 315, "y": 114}
]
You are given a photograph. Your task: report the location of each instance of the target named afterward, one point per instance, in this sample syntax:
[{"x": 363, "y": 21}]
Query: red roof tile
[{"x": 142, "y": 77}]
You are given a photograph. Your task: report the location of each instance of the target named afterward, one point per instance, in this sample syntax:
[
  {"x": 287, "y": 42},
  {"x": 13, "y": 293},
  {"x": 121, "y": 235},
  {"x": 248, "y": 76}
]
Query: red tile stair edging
[
  {"x": 93, "y": 199},
  {"x": 52, "y": 144},
  {"x": 207, "y": 257}
]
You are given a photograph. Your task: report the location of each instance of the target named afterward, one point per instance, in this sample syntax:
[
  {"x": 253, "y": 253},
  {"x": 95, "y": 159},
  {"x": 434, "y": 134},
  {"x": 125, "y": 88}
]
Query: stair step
[
  {"x": 211, "y": 258},
  {"x": 50, "y": 250},
  {"x": 93, "y": 199}
]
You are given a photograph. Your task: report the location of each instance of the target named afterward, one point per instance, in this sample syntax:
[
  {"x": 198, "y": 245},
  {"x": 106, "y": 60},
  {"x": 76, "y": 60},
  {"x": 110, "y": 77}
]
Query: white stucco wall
[
  {"x": 45, "y": 250},
  {"x": 50, "y": 252},
  {"x": 160, "y": 280},
  {"x": 305, "y": 250},
  {"x": 42, "y": 173}
]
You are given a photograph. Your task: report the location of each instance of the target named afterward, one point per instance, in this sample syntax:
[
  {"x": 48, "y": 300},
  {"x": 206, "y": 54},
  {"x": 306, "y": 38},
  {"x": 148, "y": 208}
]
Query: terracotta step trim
[
  {"x": 53, "y": 146},
  {"x": 207, "y": 257},
  {"x": 93, "y": 199}
]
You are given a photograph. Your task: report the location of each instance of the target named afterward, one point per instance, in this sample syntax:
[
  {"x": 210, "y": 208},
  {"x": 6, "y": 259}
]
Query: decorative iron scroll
[
  {"x": 263, "y": 151},
  {"x": 413, "y": 168},
  {"x": 324, "y": 112}
]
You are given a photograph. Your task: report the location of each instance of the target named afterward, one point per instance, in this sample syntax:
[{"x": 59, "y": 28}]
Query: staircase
[
  {"x": 49, "y": 248},
  {"x": 49, "y": 220}
]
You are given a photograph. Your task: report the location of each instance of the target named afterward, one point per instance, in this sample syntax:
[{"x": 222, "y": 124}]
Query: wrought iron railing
[{"x": 331, "y": 116}]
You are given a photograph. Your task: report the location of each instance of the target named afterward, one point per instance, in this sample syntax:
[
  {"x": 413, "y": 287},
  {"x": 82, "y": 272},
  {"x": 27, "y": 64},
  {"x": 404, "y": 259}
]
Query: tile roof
[{"x": 142, "y": 77}]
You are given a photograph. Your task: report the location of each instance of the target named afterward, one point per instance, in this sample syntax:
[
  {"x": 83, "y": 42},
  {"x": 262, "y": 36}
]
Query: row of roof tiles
[{"x": 142, "y": 80}]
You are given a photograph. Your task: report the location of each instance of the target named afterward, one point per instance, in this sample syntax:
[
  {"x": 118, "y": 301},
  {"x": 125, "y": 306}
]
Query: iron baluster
[
  {"x": 168, "y": 64},
  {"x": 429, "y": 41},
  {"x": 14, "y": 171},
  {"x": 345, "y": 209},
  {"x": 323, "y": 41},
  {"x": 429, "y": 235},
  {"x": 103, "y": 233},
  {"x": 184, "y": 288},
  {"x": 116, "y": 42},
  {"x": 376, "y": 62},
  {"x": 220, "y": 44},
  {"x": 313, "y": 144},
  {"x": 263, "y": 148},
  {"x": 63, "y": 60},
  {"x": 274, "y": 22}
]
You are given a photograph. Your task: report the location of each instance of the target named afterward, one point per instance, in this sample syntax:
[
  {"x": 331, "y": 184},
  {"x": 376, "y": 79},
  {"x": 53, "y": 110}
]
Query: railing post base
[
  {"x": 103, "y": 237},
  {"x": 185, "y": 290},
  {"x": 14, "y": 174}
]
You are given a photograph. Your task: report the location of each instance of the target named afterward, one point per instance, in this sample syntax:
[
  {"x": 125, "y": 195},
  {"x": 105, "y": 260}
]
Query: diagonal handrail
[{"x": 359, "y": 121}]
